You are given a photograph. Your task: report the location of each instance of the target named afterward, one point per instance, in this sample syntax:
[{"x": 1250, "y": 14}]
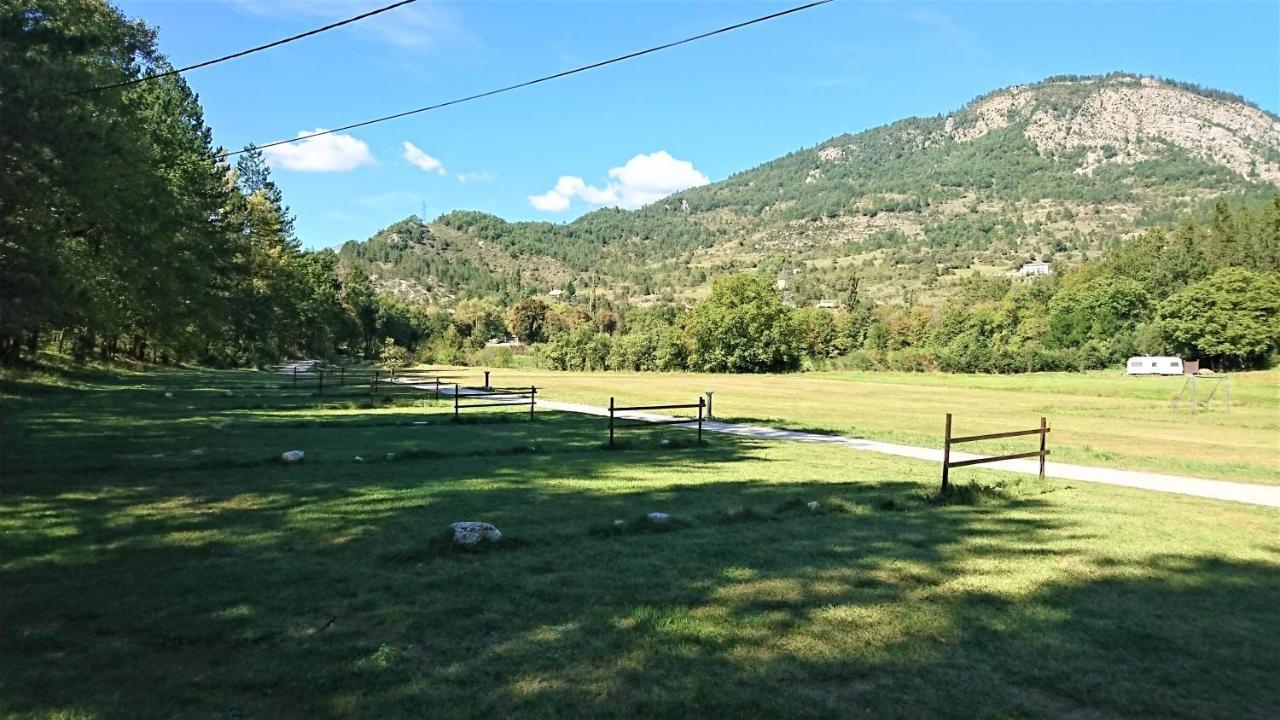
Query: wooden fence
[
  {"x": 493, "y": 397},
  {"x": 378, "y": 381},
  {"x": 947, "y": 463},
  {"x": 614, "y": 424}
]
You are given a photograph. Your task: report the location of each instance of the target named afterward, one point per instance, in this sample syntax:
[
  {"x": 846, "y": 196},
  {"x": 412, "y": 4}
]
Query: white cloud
[
  {"x": 557, "y": 199},
  {"x": 328, "y": 153},
  {"x": 478, "y": 176},
  {"x": 421, "y": 160},
  {"x": 642, "y": 180}
]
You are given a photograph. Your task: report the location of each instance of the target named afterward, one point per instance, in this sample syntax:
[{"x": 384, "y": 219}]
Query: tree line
[
  {"x": 125, "y": 232},
  {"x": 1206, "y": 290}
]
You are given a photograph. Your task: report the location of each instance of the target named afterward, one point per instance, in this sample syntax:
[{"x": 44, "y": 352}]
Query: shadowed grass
[{"x": 791, "y": 580}]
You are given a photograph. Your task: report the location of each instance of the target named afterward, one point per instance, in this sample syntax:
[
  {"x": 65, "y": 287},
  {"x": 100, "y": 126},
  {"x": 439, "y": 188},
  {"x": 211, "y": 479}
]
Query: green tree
[
  {"x": 392, "y": 356},
  {"x": 528, "y": 320},
  {"x": 479, "y": 320},
  {"x": 818, "y": 332},
  {"x": 742, "y": 326},
  {"x": 1231, "y": 318}
]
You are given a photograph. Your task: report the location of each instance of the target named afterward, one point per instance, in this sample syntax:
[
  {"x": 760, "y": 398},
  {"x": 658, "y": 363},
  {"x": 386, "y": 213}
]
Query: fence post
[
  {"x": 320, "y": 382},
  {"x": 374, "y": 384},
  {"x": 393, "y": 375},
  {"x": 610, "y": 422},
  {"x": 946, "y": 455},
  {"x": 437, "y": 388},
  {"x": 533, "y": 393},
  {"x": 701, "y": 403},
  {"x": 486, "y": 379},
  {"x": 342, "y": 375},
  {"x": 455, "y": 401},
  {"x": 295, "y": 375},
  {"x": 1044, "y": 431}
]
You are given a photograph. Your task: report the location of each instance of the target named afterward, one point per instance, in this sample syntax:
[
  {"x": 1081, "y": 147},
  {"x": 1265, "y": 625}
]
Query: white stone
[
  {"x": 658, "y": 517},
  {"x": 470, "y": 533},
  {"x": 292, "y": 456},
  {"x": 357, "y": 459}
]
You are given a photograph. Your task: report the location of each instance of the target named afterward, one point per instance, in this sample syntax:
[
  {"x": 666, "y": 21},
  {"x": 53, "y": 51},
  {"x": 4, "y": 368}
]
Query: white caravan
[{"x": 1147, "y": 365}]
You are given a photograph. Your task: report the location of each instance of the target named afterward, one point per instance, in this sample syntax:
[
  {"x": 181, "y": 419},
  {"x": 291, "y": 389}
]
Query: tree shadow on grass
[{"x": 320, "y": 589}]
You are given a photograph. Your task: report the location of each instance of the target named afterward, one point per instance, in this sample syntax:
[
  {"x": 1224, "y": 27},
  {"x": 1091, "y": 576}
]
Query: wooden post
[
  {"x": 374, "y": 385},
  {"x": 437, "y": 388},
  {"x": 946, "y": 455},
  {"x": 342, "y": 375},
  {"x": 455, "y": 401},
  {"x": 295, "y": 376},
  {"x": 486, "y": 379},
  {"x": 533, "y": 394},
  {"x": 1044, "y": 431},
  {"x": 320, "y": 382},
  {"x": 610, "y": 422},
  {"x": 701, "y": 402},
  {"x": 393, "y": 375}
]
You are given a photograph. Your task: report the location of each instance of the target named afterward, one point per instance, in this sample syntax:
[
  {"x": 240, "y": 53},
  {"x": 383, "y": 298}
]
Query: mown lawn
[
  {"x": 1102, "y": 418},
  {"x": 156, "y": 563}
]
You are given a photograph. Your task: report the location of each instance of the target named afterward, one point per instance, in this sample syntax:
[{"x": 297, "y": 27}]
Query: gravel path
[
  {"x": 1216, "y": 489},
  {"x": 1268, "y": 495}
]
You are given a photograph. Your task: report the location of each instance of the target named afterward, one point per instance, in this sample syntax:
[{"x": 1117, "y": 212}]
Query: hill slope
[{"x": 1055, "y": 170}]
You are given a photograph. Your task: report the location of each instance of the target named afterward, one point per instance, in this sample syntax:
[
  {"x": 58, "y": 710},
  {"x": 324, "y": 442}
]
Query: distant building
[
  {"x": 1146, "y": 365},
  {"x": 1034, "y": 268}
]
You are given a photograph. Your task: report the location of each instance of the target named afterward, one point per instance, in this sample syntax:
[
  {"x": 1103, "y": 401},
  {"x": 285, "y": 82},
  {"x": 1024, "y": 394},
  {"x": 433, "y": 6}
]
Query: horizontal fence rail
[
  {"x": 378, "y": 381},
  {"x": 493, "y": 397},
  {"x": 949, "y": 440},
  {"x": 615, "y": 425}
]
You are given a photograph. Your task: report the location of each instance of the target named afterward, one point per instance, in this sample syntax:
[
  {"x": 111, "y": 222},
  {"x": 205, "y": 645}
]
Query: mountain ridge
[{"x": 1060, "y": 169}]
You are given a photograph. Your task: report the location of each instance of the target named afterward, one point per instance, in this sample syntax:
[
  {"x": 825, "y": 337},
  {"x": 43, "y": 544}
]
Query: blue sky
[{"x": 628, "y": 133}]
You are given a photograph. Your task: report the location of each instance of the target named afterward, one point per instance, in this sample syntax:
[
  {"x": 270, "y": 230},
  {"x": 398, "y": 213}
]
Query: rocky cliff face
[{"x": 1128, "y": 119}]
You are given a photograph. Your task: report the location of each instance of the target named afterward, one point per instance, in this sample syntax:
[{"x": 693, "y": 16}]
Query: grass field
[
  {"x": 155, "y": 562},
  {"x": 1099, "y": 419}
]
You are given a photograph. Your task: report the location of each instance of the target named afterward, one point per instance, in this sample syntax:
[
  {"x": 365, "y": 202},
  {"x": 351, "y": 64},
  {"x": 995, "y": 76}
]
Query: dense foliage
[
  {"x": 1209, "y": 290},
  {"x": 123, "y": 231}
]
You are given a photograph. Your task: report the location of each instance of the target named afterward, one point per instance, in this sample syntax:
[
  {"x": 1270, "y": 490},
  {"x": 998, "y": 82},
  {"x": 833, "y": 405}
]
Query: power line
[
  {"x": 544, "y": 78},
  {"x": 250, "y": 51}
]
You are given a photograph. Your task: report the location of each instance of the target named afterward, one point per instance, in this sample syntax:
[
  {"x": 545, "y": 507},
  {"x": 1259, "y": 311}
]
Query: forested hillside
[
  {"x": 1061, "y": 170},
  {"x": 1206, "y": 290}
]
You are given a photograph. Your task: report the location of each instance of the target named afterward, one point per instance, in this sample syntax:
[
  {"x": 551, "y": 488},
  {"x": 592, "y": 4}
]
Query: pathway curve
[{"x": 1268, "y": 495}]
